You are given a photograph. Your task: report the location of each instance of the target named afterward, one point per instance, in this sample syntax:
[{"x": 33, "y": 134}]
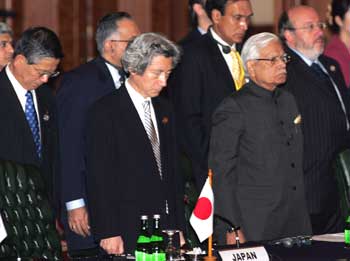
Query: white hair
[{"x": 251, "y": 48}]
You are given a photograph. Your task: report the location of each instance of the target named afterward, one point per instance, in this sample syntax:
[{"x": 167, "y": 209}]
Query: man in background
[
  {"x": 319, "y": 89},
  {"x": 6, "y": 48},
  {"x": 199, "y": 19},
  {"x": 209, "y": 71},
  {"x": 79, "y": 89}
]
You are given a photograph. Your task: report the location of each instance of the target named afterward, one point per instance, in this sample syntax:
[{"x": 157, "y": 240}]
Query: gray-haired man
[
  {"x": 132, "y": 158},
  {"x": 80, "y": 88},
  {"x": 256, "y": 152},
  {"x": 6, "y": 48}
]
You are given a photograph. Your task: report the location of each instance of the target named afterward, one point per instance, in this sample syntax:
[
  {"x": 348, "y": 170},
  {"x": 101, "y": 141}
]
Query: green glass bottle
[
  {"x": 157, "y": 240},
  {"x": 347, "y": 233},
  {"x": 142, "y": 252}
]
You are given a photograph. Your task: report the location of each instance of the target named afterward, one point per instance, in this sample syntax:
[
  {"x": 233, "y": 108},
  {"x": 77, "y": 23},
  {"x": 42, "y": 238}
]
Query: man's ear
[
  {"x": 20, "y": 59},
  {"x": 288, "y": 35},
  {"x": 251, "y": 69},
  {"x": 338, "y": 21},
  {"x": 216, "y": 16}
]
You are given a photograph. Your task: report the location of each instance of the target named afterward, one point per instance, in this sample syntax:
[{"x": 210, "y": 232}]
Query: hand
[
  {"x": 231, "y": 237},
  {"x": 113, "y": 245},
  {"x": 182, "y": 239},
  {"x": 78, "y": 220}
]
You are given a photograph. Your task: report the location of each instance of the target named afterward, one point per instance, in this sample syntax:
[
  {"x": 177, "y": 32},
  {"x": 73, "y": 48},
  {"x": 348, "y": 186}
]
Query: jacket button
[{"x": 292, "y": 165}]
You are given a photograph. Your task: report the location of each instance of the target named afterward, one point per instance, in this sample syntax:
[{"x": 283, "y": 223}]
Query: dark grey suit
[
  {"x": 256, "y": 157},
  {"x": 324, "y": 130}
]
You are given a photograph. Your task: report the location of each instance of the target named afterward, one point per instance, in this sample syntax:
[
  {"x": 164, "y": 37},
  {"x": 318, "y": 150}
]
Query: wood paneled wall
[{"x": 75, "y": 20}]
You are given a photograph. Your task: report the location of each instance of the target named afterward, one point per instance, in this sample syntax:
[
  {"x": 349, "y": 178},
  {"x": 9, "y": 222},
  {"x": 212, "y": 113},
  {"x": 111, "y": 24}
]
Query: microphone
[
  {"x": 233, "y": 227},
  {"x": 225, "y": 48}
]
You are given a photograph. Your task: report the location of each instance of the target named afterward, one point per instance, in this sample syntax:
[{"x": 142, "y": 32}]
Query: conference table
[{"x": 318, "y": 250}]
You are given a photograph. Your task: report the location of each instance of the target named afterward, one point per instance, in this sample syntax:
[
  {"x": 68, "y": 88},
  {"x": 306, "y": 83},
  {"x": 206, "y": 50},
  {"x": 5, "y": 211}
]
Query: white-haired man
[{"x": 256, "y": 152}]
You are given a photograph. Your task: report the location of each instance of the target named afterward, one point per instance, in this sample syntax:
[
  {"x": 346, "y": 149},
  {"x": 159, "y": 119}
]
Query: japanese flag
[{"x": 202, "y": 216}]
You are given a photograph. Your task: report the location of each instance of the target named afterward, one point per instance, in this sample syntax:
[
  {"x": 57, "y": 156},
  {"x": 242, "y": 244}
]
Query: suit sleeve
[
  {"x": 72, "y": 109},
  {"x": 227, "y": 128},
  {"x": 102, "y": 174}
]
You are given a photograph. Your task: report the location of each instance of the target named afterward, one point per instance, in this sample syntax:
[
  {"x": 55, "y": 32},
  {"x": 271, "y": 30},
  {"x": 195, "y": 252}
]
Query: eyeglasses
[
  {"x": 309, "y": 27},
  {"x": 122, "y": 41},
  {"x": 285, "y": 58},
  {"x": 43, "y": 73},
  {"x": 3, "y": 44}
]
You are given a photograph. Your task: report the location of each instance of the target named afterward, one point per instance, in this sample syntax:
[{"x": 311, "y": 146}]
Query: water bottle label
[
  {"x": 347, "y": 236},
  {"x": 142, "y": 256},
  {"x": 158, "y": 257}
]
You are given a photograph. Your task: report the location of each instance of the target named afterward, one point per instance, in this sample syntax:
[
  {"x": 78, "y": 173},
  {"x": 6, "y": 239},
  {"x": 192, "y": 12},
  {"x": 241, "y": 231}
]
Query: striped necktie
[
  {"x": 152, "y": 135},
  {"x": 33, "y": 121},
  {"x": 237, "y": 69}
]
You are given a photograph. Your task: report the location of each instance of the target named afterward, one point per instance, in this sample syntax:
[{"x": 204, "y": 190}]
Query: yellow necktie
[{"x": 237, "y": 69}]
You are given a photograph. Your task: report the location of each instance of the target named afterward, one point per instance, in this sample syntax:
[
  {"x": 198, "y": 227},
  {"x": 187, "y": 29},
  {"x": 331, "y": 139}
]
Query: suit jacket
[
  {"x": 256, "y": 157},
  {"x": 191, "y": 37},
  {"x": 16, "y": 139},
  {"x": 323, "y": 126},
  {"x": 123, "y": 178},
  {"x": 197, "y": 86},
  {"x": 79, "y": 89}
]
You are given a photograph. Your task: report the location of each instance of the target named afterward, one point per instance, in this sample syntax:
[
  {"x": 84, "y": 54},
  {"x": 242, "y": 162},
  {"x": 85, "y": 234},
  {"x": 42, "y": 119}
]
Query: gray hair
[
  {"x": 107, "y": 26},
  {"x": 140, "y": 52},
  {"x": 251, "y": 48},
  {"x": 5, "y": 29}
]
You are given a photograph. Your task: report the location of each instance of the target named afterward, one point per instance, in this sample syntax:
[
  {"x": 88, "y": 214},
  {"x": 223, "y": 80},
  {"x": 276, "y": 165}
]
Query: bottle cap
[
  {"x": 144, "y": 217},
  {"x": 156, "y": 216}
]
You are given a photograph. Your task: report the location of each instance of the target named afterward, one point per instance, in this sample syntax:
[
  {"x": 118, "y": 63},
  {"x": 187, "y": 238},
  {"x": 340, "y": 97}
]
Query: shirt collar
[
  {"x": 135, "y": 96},
  {"x": 308, "y": 61},
  {"x": 219, "y": 39},
  {"x": 19, "y": 89}
]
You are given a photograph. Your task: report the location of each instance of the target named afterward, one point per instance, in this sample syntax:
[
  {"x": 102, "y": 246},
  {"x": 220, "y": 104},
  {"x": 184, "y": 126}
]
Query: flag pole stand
[{"x": 210, "y": 256}]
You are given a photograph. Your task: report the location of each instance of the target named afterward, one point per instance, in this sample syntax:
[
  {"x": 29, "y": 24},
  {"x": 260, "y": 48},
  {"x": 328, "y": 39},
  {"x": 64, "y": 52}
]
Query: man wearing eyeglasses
[
  {"x": 28, "y": 132},
  {"x": 256, "y": 152},
  {"x": 320, "y": 92},
  {"x": 6, "y": 48},
  {"x": 79, "y": 89}
]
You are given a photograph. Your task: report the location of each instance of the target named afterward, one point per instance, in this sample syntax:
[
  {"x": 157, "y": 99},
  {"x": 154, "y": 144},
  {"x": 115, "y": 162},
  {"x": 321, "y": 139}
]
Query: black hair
[{"x": 338, "y": 8}]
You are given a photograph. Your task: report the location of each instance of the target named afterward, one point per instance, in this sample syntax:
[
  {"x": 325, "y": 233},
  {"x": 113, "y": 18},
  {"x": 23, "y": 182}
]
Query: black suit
[
  {"x": 256, "y": 157},
  {"x": 79, "y": 89},
  {"x": 191, "y": 37},
  {"x": 324, "y": 129},
  {"x": 123, "y": 178},
  {"x": 197, "y": 86},
  {"x": 16, "y": 138}
]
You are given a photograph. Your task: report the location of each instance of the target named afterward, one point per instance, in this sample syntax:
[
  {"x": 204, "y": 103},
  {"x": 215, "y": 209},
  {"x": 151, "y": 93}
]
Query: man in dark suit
[
  {"x": 131, "y": 149},
  {"x": 320, "y": 92},
  {"x": 79, "y": 89},
  {"x": 205, "y": 76},
  {"x": 256, "y": 152},
  {"x": 6, "y": 48},
  {"x": 27, "y": 110},
  {"x": 200, "y": 22}
]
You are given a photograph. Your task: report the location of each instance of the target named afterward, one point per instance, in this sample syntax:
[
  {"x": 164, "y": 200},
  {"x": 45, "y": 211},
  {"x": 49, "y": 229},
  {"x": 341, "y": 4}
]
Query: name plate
[{"x": 247, "y": 253}]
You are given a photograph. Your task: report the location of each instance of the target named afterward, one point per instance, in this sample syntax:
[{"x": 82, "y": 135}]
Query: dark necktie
[
  {"x": 319, "y": 72},
  {"x": 33, "y": 121},
  {"x": 152, "y": 135}
]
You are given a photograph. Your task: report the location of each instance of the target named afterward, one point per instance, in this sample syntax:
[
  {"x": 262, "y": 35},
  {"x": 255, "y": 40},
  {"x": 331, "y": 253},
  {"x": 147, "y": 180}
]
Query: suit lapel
[
  {"x": 14, "y": 105},
  {"x": 219, "y": 63}
]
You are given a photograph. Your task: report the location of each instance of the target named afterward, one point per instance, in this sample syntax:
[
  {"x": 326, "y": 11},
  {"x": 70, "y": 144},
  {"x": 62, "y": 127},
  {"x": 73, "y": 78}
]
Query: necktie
[
  {"x": 319, "y": 72},
  {"x": 237, "y": 69},
  {"x": 332, "y": 88},
  {"x": 152, "y": 135},
  {"x": 33, "y": 121}
]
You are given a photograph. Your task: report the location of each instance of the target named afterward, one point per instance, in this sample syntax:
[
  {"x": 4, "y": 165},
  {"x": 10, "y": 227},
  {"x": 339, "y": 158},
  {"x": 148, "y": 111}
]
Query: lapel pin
[
  {"x": 332, "y": 68},
  {"x": 165, "y": 120},
  {"x": 46, "y": 116},
  {"x": 297, "y": 119}
]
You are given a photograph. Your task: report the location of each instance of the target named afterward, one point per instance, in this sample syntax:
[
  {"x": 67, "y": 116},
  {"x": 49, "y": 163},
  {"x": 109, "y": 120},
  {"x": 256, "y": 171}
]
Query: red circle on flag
[{"x": 203, "y": 208}]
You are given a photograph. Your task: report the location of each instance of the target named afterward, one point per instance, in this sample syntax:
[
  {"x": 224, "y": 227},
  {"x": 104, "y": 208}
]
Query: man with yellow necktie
[{"x": 206, "y": 75}]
